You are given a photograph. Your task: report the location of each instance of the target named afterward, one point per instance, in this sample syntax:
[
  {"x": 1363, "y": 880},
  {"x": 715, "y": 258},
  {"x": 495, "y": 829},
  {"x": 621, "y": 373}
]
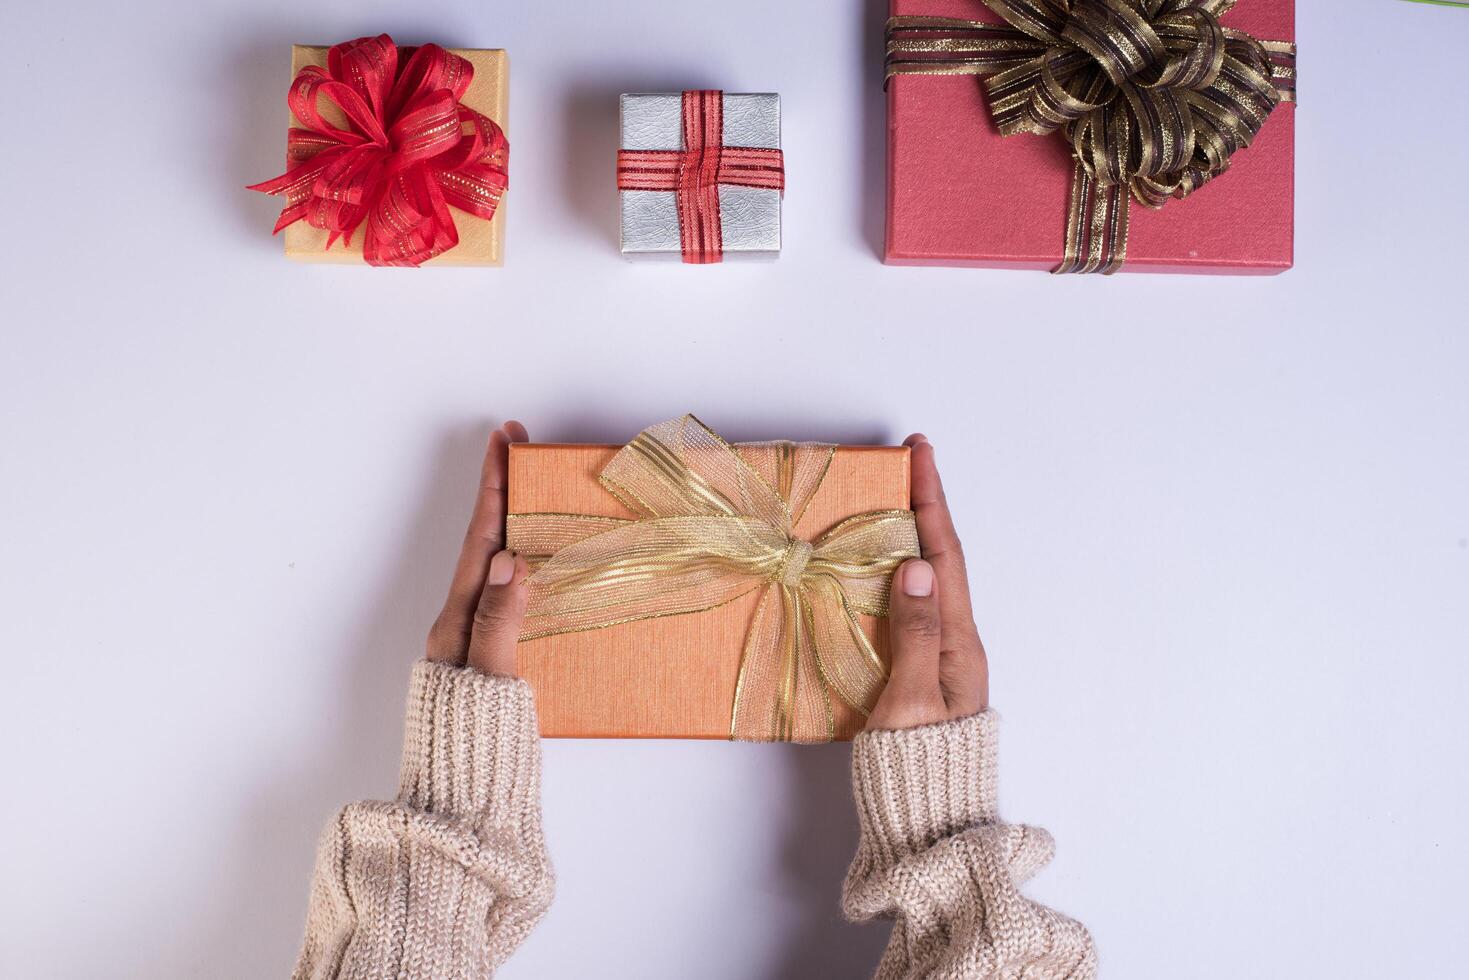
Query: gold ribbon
[
  {"x": 711, "y": 528},
  {"x": 1154, "y": 96}
]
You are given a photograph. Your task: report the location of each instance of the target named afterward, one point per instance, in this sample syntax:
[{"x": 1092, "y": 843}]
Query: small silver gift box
[{"x": 667, "y": 223}]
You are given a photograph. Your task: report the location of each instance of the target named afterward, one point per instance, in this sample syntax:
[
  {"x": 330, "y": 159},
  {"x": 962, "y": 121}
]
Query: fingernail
[
  {"x": 918, "y": 578},
  {"x": 502, "y": 568}
]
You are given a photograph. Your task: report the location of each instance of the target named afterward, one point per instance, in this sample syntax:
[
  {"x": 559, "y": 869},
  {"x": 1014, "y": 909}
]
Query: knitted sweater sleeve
[
  {"x": 448, "y": 879},
  {"x": 934, "y": 855}
]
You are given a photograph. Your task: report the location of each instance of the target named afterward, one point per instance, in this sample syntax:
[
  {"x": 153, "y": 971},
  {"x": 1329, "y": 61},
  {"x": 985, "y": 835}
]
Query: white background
[{"x": 1218, "y": 528}]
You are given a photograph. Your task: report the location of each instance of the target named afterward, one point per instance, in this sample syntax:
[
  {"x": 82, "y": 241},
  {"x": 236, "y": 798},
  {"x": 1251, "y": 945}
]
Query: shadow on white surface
[
  {"x": 616, "y": 424},
  {"x": 252, "y": 912},
  {"x": 590, "y": 138},
  {"x": 254, "y": 86},
  {"x": 819, "y": 843},
  {"x": 871, "y": 149}
]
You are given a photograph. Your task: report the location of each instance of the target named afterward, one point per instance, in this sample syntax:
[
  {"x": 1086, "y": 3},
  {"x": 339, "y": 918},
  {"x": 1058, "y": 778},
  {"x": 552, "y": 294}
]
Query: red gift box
[{"x": 961, "y": 194}]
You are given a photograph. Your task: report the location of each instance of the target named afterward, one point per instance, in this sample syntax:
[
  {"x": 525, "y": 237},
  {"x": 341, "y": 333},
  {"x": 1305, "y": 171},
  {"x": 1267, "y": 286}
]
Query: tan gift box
[
  {"x": 674, "y": 676},
  {"x": 481, "y": 242}
]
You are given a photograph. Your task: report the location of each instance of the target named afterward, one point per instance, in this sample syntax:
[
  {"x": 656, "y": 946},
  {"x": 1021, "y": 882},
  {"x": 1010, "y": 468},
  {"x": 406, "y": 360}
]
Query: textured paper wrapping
[
  {"x": 961, "y": 194},
  {"x": 672, "y": 677},
  {"x": 749, "y": 216},
  {"x": 481, "y": 242}
]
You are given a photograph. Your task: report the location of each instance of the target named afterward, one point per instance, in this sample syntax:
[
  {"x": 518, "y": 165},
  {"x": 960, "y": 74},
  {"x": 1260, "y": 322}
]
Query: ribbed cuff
[
  {"x": 471, "y": 748},
  {"x": 917, "y": 786}
]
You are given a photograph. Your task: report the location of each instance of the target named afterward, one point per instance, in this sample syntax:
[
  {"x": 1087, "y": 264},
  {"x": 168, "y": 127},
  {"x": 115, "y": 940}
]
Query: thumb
[
  {"x": 498, "y": 616},
  {"x": 912, "y": 696}
]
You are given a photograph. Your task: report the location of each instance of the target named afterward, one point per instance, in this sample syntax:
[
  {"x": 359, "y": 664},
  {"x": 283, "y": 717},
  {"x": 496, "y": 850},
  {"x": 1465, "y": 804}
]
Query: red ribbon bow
[
  {"x": 695, "y": 173},
  {"x": 412, "y": 150}
]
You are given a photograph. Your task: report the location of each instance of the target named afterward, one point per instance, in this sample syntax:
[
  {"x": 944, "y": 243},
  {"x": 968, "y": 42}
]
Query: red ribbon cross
[
  {"x": 411, "y": 149},
  {"x": 695, "y": 173}
]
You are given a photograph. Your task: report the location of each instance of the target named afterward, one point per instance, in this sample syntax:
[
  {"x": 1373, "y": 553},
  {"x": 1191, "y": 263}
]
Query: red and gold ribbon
[
  {"x": 695, "y": 172},
  {"x": 710, "y": 528},
  {"x": 1154, "y": 96},
  {"x": 410, "y": 150}
]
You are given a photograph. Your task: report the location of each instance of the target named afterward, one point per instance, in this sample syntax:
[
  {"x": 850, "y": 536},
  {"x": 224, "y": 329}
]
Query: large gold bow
[
  {"x": 1154, "y": 96},
  {"x": 711, "y": 528}
]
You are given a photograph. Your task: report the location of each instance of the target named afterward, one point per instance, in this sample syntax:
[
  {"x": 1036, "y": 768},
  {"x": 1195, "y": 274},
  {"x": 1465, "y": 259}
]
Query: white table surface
[{"x": 1219, "y": 528}]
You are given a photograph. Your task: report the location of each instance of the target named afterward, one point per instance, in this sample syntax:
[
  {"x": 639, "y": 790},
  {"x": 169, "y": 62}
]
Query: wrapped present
[
  {"x": 396, "y": 156},
  {"x": 1048, "y": 134},
  {"x": 684, "y": 587},
  {"x": 700, "y": 176}
]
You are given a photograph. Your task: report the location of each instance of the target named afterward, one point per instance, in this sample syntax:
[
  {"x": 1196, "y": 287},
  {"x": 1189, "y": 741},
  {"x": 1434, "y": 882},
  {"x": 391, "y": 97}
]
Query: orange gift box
[
  {"x": 481, "y": 242},
  {"x": 672, "y": 676}
]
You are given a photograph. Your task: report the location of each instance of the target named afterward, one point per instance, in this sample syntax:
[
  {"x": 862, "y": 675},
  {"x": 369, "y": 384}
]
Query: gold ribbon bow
[
  {"x": 711, "y": 528},
  {"x": 1154, "y": 96}
]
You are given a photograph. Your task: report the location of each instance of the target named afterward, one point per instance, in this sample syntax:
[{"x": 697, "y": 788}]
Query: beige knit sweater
[
  {"x": 450, "y": 878},
  {"x": 447, "y": 881},
  {"x": 934, "y": 855}
]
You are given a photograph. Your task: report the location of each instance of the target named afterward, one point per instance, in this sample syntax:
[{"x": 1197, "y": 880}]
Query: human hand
[
  {"x": 480, "y": 622},
  {"x": 939, "y": 671}
]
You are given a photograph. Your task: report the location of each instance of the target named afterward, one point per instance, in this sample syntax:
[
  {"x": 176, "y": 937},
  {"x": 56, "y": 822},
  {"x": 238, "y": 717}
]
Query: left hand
[{"x": 480, "y": 623}]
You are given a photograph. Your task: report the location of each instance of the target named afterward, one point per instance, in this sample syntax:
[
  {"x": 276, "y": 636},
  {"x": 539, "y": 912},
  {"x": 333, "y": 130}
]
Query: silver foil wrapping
[{"x": 749, "y": 216}]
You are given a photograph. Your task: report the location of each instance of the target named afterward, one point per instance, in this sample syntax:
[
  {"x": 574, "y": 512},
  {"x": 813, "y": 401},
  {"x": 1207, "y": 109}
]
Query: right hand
[
  {"x": 480, "y": 623},
  {"x": 939, "y": 671}
]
